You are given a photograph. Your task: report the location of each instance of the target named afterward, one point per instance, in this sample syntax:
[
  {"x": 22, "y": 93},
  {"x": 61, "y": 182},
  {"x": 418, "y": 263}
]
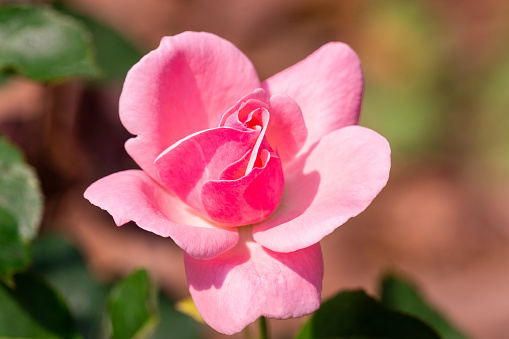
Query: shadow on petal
[{"x": 299, "y": 191}]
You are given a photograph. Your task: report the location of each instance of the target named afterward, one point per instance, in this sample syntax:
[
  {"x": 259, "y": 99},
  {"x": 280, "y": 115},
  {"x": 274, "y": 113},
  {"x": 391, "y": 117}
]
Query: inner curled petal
[
  {"x": 249, "y": 199},
  {"x": 188, "y": 164},
  {"x": 228, "y": 174},
  {"x": 263, "y": 115},
  {"x": 236, "y": 170},
  {"x": 251, "y": 114},
  {"x": 286, "y": 131}
]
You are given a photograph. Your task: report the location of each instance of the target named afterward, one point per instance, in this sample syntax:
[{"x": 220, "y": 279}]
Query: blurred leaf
[
  {"x": 32, "y": 309},
  {"x": 402, "y": 56},
  {"x": 15, "y": 322},
  {"x": 410, "y": 119},
  {"x": 491, "y": 137},
  {"x": 401, "y": 43},
  {"x": 353, "y": 314},
  {"x": 188, "y": 307},
  {"x": 132, "y": 307},
  {"x": 3, "y": 78},
  {"x": 115, "y": 54},
  {"x": 20, "y": 194},
  {"x": 399, "y": 295},
  {"x": 43, "y": 44},
  {"x": 62, "y": 265},
  {"x": 179, "y": 325},
  {"x": 14, "y": 253}
]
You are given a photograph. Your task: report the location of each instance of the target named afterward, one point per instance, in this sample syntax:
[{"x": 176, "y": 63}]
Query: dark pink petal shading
[
  {"x": 327, "y": 86},
  {"x": 249, "y": 281},
  {"x": 187, "y": 165},
  {"x": 182, "y": 87},
  {"x": 335, "y": 181},
  {"x": 237, "y": 169},
  {"x": 258, "y": 96},
  {"x": 246, "y": 200},
  {"x": 286, "y": 131},
  {"x": 133, "y": 195}
]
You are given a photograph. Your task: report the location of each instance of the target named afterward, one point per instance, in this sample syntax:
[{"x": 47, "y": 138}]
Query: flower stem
[
  {"x": 247, "y": 333},
  {"x": 264, "y": 333}
]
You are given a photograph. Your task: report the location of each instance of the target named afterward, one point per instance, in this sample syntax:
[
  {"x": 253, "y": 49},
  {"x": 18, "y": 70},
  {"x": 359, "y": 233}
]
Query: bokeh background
[{"x": 436, "y": 85}]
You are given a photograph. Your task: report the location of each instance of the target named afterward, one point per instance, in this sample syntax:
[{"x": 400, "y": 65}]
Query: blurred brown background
[{"x": 437, "y": 86}]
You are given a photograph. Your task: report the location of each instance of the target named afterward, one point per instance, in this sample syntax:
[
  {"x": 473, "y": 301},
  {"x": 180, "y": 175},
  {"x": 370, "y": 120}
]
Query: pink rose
[{"x": 245, "y": 176}]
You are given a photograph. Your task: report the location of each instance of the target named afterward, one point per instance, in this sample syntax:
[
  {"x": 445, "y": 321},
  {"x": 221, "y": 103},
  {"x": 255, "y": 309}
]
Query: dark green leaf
[
  {"x": 15, "y": 322},
  {"x": 132, "y": 307},
  {"x": 353, "y": 314},
  {"x": 33, "y": 310},
  {"x": 14, "y": 253},
  {"x": 43, "y": 44},
  {"x": 62, "y": 266},
  {"x": 4, "y": 77},
  {"x": 401, "y": 296},
  {"x": 20, "y": 194},
  {"x": 180, "y": 325}
]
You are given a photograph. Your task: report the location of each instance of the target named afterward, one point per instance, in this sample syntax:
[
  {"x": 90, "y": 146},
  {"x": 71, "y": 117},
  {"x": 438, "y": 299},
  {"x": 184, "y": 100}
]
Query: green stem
[
  {"x": 264, "y": 333},
  {"x": 247, "y": 333}
]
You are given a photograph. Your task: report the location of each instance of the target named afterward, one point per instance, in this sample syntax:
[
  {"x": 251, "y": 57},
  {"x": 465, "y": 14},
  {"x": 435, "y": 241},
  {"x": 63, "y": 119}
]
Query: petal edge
[
  {"x": 328, "y": 87},
  {"x": 133, "y": 195},
  {"x": 233, "y": 290},
  {"x": 336, "y": 180}
]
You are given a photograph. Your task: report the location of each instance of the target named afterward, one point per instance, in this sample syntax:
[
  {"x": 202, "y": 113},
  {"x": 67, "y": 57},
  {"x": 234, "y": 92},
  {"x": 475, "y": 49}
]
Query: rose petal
[
  {"x": 327, "y": 86},
  {"x": 133, "y": 195},
  {"x": 187, "y": 165},
  {"x": 234, "y": 289},
  {"x": 237, "y": 169},
  {"x": 337, "y": 180},
  {"x": 247, "y": 200},
  {"x": 287, "y": 130},
  {"x": 182, "y": 87},
  {"x": 258, "y": 96}
]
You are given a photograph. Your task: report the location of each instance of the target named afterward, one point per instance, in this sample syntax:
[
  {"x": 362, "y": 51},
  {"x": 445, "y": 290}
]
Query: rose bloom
[{"x": 245, "y": 176}]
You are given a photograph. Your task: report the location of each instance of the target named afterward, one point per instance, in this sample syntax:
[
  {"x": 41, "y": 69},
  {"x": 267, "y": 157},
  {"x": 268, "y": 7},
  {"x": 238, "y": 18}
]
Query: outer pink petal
[
  {"x": 234, "y": 289},
  {"x": 287, "y": 130},
  {"x": 133, "y": 195},
  {"x": 335, "y": 181},
  {"x": 183, "y": 86},
  {"x": 328, "y": 87}
]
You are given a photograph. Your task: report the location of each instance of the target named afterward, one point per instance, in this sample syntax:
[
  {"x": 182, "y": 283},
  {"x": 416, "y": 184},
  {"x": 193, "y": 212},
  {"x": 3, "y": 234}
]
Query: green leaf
[
  {"x": 400, "y": 100},
  {"x": 403, "y": 297},
  {"x": 353, "y": 314},
  {"x": 115, "y": 55},
  {"x": 32, "y": 309},
  {"x": 491, "y": 140},
  {"x": 62, "y": 265},
  {"x": 43, "y": 44},
  {"x": 409, "y": 118},
  {"x": 14, "y": 253},
  {"x": 132, "y": 307},
  {"x": 180, "y": 325},
  {"x": 4, "y": 77},
  {"x": 20, "y": 194}
]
